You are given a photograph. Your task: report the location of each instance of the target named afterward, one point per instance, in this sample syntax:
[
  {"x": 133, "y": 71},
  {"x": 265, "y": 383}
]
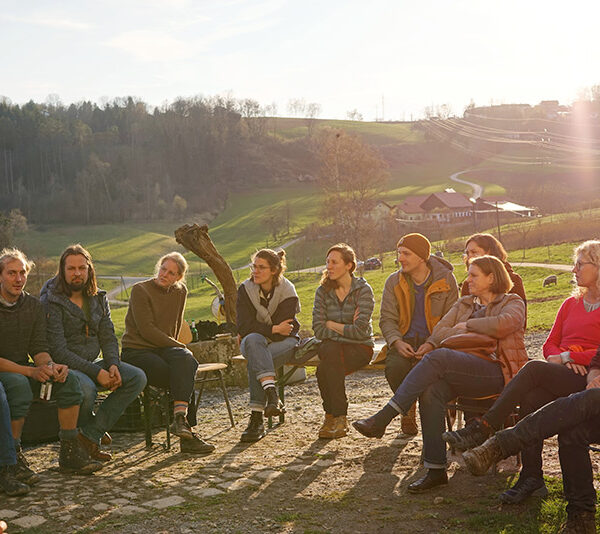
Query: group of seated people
[{"x": 66, "y": 330}]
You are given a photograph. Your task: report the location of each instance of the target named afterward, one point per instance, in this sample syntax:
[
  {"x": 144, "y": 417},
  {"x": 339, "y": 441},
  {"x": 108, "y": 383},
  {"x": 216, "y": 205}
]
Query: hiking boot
[
  {"x": 327, "y": 427},
  {"x": 73, "y": 458},
  {"x": 274, "y": 405},
  {"x": 481, "y": 458},
  {"x": 524, "y": 488},
  {"x": 9, "y": 483},
  {"x": 22, "y": 470},
  {"x": 180, "y": 427},
  {"x": 408, "y": 423},
  {"x": 472, "y": 435},
  {"x": 433, "y": 478},
  {"x": 340, "y": 427},
  {"x": 579, "y": 522},
  {"x": 106, "y": 439},
  {"x": 196, "y": 445},
  {"x": 93, "y": 450},
  {"x": 255, "y": 429}
]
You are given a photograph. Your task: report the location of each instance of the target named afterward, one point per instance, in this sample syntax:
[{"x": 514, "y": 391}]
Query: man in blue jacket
[{"x": 78, "y": 328}]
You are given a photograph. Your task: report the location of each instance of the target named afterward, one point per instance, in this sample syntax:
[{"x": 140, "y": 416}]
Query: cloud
[
  {"x": 51, "y": 22},
  {"x": 149, "y": 45}
]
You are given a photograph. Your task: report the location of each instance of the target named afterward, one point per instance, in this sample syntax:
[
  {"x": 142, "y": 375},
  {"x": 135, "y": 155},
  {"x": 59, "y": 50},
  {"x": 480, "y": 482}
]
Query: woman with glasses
[
  {"x": 267, "y": 304},
  {"x": 573, "y": 341}
]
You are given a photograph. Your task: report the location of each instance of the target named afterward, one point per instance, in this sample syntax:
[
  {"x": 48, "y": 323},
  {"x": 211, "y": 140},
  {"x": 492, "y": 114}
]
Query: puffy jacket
[
  {"x": 327, "y": 307},
  {"x": 397, "y": 301},
  {"x": 504, "y": 319},
  {"x": 73, "y": 340}
]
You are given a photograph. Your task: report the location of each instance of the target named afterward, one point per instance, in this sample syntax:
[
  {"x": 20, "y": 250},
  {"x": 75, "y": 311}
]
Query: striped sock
[
  {"x": 180, "y": 407},
  {"x": 268, "y": 383}
]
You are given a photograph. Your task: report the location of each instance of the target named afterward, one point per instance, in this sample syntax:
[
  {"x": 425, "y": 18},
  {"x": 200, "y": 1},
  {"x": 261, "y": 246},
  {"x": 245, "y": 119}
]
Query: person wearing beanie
[{"x": 414, "y": 299}]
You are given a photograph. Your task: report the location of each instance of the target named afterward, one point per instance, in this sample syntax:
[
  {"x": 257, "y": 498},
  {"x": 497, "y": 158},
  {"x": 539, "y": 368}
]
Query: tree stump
[{"x": 196, "y": 239}]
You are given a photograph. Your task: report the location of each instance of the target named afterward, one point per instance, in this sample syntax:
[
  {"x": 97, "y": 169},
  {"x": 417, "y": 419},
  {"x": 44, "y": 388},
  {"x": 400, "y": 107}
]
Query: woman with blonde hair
[
  {"x": 267, "y": 305},
  {"x": 342, "y": 321},
  {"x": 150, "y": 342},
  {"x": 444, "y": 373},
  {"x": 572, "y": 343}
]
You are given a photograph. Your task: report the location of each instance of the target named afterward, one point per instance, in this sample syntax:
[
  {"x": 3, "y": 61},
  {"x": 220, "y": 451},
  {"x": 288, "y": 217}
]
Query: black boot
[
  {"x": 255, "y": 429},
  {"x": 23, "y": 471},
  {"x": 74, "y": 458},
  {"x": 274, "y": 405},
  {"x": 579, "y": 522},
  {"x": 196, "y": 445},
  {"x": 433, "y": 478},
  {"x": 9, "y": 483}
]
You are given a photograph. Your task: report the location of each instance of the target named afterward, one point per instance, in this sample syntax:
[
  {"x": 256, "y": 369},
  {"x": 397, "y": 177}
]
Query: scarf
[{"x": 284, "y": 290}]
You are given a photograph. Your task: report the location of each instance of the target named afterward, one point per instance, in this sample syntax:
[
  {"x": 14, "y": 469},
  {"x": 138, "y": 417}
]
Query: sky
[{"x": 387, "y": 59}]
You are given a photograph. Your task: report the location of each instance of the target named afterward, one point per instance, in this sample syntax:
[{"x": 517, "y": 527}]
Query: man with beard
[
  {"x": 22, "y": 340},
  {"x": 78, "y": 328}
]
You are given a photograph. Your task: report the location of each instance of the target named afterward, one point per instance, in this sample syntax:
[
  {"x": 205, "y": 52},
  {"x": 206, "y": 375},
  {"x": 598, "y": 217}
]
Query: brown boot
[
  {"x": 93, "y": 450},
  {"x": 340, "y": 427},
  {"x": 327, "y": 427},
  {"x": 409, "y": 422}
]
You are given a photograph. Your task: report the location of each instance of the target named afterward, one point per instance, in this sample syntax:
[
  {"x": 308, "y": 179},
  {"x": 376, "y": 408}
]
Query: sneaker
[
  {"x": 327, "y": 427},
  {"x": 274, "y": 405},
  {"x": 255, "y": 429},
  {"x": 180, "y": 427},
  {"x": 93, "y": 450},
  {"x": 524, "y": 488},
  {"x": 196, "y": 445},
  {"x": 481, "y": 458},
  {"x": 73, "y": 458},
  {"x": 579, "y": 522},
  {"x": 472, "y": 435},
  {"x": 22, "y": 470},
  {"x": 9, "y": 483}
]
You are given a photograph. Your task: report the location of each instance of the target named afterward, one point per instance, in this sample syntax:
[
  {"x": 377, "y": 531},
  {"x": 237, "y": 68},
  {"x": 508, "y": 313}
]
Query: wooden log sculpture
[{"x": 196, "y": 239}]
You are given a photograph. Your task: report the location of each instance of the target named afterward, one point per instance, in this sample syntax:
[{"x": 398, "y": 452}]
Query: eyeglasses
[
  {"x": 255, "y": 267},
  {"x": 579, "y": 264}
]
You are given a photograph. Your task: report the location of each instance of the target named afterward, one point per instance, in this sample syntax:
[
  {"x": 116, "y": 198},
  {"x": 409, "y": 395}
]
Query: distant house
[
  {"x": 445, "y": 206},
  {"x": 504, "y": 206},
  {"x": 382, "y": 211}
]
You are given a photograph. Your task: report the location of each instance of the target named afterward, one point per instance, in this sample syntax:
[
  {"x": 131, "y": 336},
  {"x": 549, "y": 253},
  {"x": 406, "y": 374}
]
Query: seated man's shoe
[
  {"x": 180, "y": 427},
  {"x": 255, "y": 429},
  {"x": 106, "y": 439},
  {"x": 579, "y": 522},
  {"x": 326, "y": 430},
  {"x": 408, "y": 423},
  {"x": 9, "y": 483},
  {"x": 93, "y": 450},
  {"x": 196, "y": 445},
  {"x": 340, "y": 427},
  {"x": 74, "y": 458},
  {"x": 472, "y": 435},
  {"x": 523, "y": 489},
  {"x": 433, "y": 478},
  {"x": 22, "y": 470},
  {"x": 274, "y": 405},
  {"x": 368, "y": 427},
  {"x": 480, "y": 459}
]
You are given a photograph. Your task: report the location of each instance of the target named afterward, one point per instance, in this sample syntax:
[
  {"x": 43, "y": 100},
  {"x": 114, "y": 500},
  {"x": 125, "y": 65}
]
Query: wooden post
[{"x": 196, "y": 239}]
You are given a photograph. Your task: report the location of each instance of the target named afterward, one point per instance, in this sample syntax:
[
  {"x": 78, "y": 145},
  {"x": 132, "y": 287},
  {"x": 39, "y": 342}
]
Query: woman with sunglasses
[
  {"x": 267, "y": 304},
  {"x": 573, "y": 341}
]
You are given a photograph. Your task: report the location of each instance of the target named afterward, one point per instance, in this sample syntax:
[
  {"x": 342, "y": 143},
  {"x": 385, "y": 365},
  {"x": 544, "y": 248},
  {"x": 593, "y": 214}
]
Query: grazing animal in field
[{"x": 549, "y": 280}]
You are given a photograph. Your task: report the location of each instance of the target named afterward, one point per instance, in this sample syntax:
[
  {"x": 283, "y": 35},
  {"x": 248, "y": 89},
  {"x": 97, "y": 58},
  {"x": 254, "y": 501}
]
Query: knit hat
[{"x": 417, "y": 243}]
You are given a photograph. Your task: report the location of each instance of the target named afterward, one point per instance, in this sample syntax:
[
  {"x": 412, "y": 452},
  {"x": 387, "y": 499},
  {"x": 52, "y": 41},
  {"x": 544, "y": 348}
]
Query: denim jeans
[
  {"x": 263, "y": 358},
  {"x": 535, "y": 385},
  {"x": 442, "y": 375},
  {"x": 397, "y": 366},
  {"x": 576, "y": 420},
  {"x": 172, "y": 367},
  {"x": 93, "y": 426},
  {"x": 8, "y": 455},
  {"x": 20, "y": 391}
]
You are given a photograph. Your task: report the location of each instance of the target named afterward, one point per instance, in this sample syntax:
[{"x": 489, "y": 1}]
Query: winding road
[{"x": 477, "y": 189}]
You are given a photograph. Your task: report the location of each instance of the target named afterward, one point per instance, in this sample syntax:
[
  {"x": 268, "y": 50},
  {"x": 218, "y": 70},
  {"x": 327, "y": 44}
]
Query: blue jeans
[
  {"x": 576, "y": 420},
  {"x": 442, "y": 375},
  {"x": 93, "y": 426},
  {"x": 8, "y": 455},
  {"x": 263, "y": 357}
]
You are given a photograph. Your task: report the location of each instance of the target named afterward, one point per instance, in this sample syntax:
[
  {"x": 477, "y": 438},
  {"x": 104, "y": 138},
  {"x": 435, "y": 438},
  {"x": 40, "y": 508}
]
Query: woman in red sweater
[{"x": 568, "y": 350}]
